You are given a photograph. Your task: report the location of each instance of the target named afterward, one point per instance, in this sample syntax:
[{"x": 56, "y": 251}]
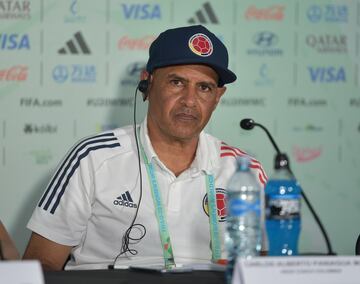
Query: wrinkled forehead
[{"x": 191, "y": 72}]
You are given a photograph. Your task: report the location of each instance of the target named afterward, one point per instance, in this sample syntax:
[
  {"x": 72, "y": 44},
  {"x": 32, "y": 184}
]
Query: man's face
[{"x": 181, "y": 100}]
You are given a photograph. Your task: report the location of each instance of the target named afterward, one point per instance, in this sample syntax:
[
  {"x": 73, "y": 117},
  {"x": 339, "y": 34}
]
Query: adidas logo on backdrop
[
  {"x": 75, "y": 45},
  {"x": 205, "y": 15},
  {"x": 125, "y": 200}
]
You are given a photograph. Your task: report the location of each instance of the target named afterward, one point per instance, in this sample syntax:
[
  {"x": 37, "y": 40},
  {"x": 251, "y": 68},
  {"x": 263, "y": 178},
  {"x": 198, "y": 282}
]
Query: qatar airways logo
[
  {"x": 142, "y": 43},
  {"x": 17, "y": 73},
  {"x": 327, "y": 43},
  {"x": 306, "y": 154},
  {"x": 15, "y": 10},
  {"x": 271, "y": 13}
]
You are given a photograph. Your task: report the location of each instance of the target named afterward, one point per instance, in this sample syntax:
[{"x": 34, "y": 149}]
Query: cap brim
[{"x": 225, "y": 75}]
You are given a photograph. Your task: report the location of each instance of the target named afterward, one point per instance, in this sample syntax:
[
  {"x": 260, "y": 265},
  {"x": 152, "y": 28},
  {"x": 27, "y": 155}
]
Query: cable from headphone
[{"x": 126, "y": 239}]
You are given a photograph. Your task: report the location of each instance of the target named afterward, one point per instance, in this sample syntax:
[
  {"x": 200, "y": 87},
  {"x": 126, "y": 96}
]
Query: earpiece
[{"x": 143, "y": 87}]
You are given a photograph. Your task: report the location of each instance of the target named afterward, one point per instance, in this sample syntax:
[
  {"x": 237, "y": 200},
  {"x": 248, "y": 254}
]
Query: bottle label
[
  {"x": 238, "y": 207},
  {"x": 280, "y": 207}
]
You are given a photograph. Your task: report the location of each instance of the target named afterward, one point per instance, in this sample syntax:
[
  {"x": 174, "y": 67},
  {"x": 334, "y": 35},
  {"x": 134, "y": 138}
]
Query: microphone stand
[{"x": 249, "y": 124}]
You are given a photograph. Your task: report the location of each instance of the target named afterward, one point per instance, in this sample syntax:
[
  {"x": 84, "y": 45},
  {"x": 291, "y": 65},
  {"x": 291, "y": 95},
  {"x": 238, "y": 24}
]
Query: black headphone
[{"x": 143, "y": 87}]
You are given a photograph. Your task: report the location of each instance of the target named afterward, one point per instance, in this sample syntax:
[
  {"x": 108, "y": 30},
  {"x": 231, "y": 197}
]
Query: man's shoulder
[
  {"x": 228, "y": 156},
  {"x": 225, "y": 151},
  {"x": 105, "y": 145}
]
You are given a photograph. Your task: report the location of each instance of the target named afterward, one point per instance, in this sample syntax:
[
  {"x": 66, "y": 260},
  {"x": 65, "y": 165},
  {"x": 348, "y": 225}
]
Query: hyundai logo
[
  {"x": 265, "y": 39},
  {"x": 135, "y": 69}
]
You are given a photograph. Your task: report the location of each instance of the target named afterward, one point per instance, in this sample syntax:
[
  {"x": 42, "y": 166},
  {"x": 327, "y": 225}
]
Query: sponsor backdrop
[{"x": 69, "y": 69}]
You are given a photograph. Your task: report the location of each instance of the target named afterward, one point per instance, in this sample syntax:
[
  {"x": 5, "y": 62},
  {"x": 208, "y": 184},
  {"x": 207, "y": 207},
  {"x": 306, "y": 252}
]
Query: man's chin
[{"x": 185, "y": 135}]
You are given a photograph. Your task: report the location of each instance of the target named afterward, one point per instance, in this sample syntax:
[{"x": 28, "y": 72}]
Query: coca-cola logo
[
  {"x": 272, "y": 13},
  {"x": 16, "y": 73},
  {"x": 142, "y": 43},
  {"x": 306, "y": 154}
]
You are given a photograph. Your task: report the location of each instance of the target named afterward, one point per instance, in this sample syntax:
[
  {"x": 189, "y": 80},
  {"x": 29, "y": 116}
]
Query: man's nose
[{"x": 189, "y": 96}]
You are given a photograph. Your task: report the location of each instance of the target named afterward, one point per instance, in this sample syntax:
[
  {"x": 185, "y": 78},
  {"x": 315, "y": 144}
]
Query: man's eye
[
  {"x": 176, "y": 82},
  {"x": 205, "y": 88}
]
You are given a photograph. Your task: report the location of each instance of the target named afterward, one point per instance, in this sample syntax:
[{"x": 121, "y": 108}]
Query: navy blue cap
[{"x": 190, "y": 45}]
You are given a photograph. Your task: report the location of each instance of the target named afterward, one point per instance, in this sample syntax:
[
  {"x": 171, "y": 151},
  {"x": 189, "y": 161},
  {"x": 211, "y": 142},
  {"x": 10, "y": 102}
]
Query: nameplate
[
  {"x": 20, "y": 272},
  {"x": 298, "y": 270}
]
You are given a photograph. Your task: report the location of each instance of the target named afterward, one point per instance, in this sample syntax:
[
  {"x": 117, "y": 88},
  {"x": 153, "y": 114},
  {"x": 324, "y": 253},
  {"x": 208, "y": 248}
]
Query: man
[
  {"x": 8, "y": 250},
  {"x": 101, "y": 207}
]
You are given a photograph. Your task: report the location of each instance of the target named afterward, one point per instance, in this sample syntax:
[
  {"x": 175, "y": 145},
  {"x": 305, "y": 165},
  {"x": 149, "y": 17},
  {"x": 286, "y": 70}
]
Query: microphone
[
  {"x": 281, "y": 160},
  {"x": 248, "y": 124}
]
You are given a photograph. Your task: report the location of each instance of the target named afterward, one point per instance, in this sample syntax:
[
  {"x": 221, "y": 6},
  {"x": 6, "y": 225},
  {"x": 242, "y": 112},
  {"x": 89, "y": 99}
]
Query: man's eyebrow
[
  {"x": 212, "y": 84},
  {"x": 176, "y": 76}
]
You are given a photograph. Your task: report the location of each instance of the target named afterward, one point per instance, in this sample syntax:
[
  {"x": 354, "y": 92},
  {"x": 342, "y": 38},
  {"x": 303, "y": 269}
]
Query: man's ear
[
  {"x": 220, "y": 91},
  {"x": 144, "y": 75}
]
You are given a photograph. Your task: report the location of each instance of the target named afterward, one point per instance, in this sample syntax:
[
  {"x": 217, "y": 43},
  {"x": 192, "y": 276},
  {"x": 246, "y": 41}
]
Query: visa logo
[
  {"x": 141, "y": 11},
  {"x": 327, "y": 74},
  {"x": 14, "y": 41}
]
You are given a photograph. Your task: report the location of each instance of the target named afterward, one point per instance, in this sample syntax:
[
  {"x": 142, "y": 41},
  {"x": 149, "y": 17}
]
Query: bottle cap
[
  {"x": 281, "y": 161},
  {"x": 243, "y": 163}
]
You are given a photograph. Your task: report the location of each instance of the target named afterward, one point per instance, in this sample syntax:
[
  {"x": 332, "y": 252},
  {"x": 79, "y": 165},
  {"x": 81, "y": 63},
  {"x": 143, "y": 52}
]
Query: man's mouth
[{"x": 185, "y": 116}]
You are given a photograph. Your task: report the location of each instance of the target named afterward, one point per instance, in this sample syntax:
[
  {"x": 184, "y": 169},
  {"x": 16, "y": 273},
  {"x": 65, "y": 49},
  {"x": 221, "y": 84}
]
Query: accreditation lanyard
[{"x": 161, "y": 216}]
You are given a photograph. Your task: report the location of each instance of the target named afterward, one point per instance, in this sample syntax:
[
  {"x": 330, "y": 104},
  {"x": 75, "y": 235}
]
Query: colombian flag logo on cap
[{"x": 201, "y": 45}]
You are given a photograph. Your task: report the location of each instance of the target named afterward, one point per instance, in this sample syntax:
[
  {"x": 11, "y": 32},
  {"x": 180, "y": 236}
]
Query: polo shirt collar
[
  {"x": 207, "y": 152},
  {"x": 145, "y": 141},
  {"x": 207, "y": 156}
]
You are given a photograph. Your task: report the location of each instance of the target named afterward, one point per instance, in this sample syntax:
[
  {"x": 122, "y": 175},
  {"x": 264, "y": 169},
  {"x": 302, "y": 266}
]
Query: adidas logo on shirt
[{"x": 125, "y": 200}]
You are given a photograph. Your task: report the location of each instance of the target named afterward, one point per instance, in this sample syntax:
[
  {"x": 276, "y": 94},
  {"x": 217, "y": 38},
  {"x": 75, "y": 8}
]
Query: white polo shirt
[{"x": 92, "y": 198}]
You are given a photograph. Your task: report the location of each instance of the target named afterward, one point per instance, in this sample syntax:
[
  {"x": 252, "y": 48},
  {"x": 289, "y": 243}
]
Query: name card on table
[
  {"x": 298, "y": 270},
  {"x": 20, "y": 272}
]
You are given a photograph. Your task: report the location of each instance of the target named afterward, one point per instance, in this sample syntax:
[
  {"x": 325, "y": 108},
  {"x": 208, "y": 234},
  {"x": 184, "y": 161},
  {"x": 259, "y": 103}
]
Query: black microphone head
[{"x": 247, "y": 123}]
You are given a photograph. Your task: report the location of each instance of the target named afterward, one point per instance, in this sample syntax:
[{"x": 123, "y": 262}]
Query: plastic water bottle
[
  {"x": 283, "y": 222},
  {"x": 243, "y": 232}
]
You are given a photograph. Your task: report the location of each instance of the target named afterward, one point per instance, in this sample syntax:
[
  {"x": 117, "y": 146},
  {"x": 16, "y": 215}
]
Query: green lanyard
[{"x": 161, "y": 216}]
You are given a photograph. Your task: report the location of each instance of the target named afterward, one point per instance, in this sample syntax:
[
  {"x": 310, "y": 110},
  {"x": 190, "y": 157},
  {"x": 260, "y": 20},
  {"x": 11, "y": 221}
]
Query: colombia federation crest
[{"x": 220, "y": 204}]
